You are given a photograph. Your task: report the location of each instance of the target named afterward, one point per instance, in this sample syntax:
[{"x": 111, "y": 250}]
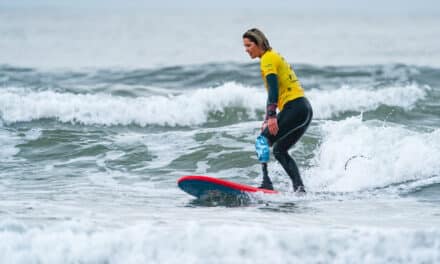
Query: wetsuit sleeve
[
  {"x": 272, "y": 85},
  {"x": 272, "y": 88},
  {"x": 269, "y": 70}
]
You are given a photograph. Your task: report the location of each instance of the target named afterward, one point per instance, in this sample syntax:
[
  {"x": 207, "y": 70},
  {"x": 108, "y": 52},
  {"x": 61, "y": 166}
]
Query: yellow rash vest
[{"x": 289, "y": 88}]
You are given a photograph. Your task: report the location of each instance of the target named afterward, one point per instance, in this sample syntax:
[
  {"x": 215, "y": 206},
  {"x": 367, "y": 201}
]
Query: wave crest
[{"x": 193, "y": 107}]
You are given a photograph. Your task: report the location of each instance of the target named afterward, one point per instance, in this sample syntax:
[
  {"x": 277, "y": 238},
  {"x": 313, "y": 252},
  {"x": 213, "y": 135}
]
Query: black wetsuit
[{"x": 293, "y": 121}]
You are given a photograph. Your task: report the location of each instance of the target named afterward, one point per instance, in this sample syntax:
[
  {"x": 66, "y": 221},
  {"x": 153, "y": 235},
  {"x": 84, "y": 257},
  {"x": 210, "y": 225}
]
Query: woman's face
[{"x": 252, "y": 48}]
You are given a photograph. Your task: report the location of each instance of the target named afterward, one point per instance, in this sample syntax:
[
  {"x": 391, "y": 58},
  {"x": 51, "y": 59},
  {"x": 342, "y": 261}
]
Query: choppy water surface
[{"x": 90, "y": 158}]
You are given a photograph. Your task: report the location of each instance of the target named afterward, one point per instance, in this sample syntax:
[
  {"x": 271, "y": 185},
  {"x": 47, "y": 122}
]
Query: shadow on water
[
  {"x": 298, "y": 206},
  {"x": 223, "y": 200},
  {"x": 287, "y": 207},
  {"x": 234, "y": 201},
  {"x": 264, "y": 206}
]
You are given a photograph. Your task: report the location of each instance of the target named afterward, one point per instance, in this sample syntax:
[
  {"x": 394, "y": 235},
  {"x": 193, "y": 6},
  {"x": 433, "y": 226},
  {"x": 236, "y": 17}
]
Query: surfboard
[{"x": 206, "y": 187}]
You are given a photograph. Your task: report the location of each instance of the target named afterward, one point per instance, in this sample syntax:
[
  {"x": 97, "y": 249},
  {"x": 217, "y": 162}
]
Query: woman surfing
[{"x": 284, "y": 92}]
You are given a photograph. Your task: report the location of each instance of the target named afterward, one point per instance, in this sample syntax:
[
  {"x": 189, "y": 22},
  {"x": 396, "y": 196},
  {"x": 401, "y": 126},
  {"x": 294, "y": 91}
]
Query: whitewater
[{"x": 102, "y": 112}]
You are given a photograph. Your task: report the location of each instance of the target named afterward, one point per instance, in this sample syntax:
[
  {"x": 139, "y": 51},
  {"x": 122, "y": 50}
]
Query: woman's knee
[{"x": 279, "y": 154}]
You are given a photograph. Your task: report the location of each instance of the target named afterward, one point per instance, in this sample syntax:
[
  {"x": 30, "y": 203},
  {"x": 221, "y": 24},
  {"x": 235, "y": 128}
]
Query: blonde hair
[{"x": 257, "y": 36}]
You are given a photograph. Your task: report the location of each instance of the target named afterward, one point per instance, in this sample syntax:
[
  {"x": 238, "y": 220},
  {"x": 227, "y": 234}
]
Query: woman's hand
[
  {"x": 264, "y": 125},
  {"x": 272, "y": 124}
]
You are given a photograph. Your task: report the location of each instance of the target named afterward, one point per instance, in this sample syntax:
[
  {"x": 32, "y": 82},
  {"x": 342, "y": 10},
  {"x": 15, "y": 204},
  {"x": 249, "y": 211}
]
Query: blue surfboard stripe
[{"x": 201, "y": 188}]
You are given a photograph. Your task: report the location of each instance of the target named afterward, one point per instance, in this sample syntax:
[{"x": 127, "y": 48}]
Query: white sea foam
[
  {"x": 190, "y": 108},
  {"x": 33, "y": 134},
  {"x": 356, "y": 155},
  {"x": 193, "y": 242},
  {"x": 8, "y": 142},
  {"x": 330, "y": 103}
]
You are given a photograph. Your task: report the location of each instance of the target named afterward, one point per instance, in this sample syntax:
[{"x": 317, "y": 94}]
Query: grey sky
[{"x": 334, "y": 6}]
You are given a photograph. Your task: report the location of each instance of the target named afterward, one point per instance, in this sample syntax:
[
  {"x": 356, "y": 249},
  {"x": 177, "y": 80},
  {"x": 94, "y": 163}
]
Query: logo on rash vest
[{"x": 268, "y": 65}]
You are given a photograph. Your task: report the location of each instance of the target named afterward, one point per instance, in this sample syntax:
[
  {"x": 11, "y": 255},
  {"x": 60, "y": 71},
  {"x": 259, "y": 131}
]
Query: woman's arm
[{"x": 271, "y": 108}]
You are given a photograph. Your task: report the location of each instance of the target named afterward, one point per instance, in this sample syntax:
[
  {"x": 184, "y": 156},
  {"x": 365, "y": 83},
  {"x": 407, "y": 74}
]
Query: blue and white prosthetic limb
[{"x": 263, "y": 154}]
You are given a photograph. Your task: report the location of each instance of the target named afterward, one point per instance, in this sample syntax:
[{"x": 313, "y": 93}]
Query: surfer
[{"x": 283, "y": 129}]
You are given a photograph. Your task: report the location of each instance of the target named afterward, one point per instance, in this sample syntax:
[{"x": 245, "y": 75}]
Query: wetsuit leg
[
  {"x": 280, "y": 151},
  {"x": 293, "y": 121}
]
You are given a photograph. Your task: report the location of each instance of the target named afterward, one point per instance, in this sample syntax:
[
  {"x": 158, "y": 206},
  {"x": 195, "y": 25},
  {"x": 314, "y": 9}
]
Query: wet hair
[{"x": 255, "y": 35}]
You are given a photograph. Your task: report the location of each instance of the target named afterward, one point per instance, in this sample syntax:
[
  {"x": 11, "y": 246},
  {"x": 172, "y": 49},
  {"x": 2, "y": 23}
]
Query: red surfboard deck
[{"x": 205, "y": 187}]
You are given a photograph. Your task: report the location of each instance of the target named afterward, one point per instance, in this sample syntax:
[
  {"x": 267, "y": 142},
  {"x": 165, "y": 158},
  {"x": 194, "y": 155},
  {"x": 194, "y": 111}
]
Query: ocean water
[{"x": 102, "y": 111}]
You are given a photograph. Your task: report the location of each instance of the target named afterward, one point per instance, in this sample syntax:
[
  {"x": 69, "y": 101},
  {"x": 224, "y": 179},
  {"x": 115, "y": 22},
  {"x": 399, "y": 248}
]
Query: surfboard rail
[{"x": 198, "y": 184}]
